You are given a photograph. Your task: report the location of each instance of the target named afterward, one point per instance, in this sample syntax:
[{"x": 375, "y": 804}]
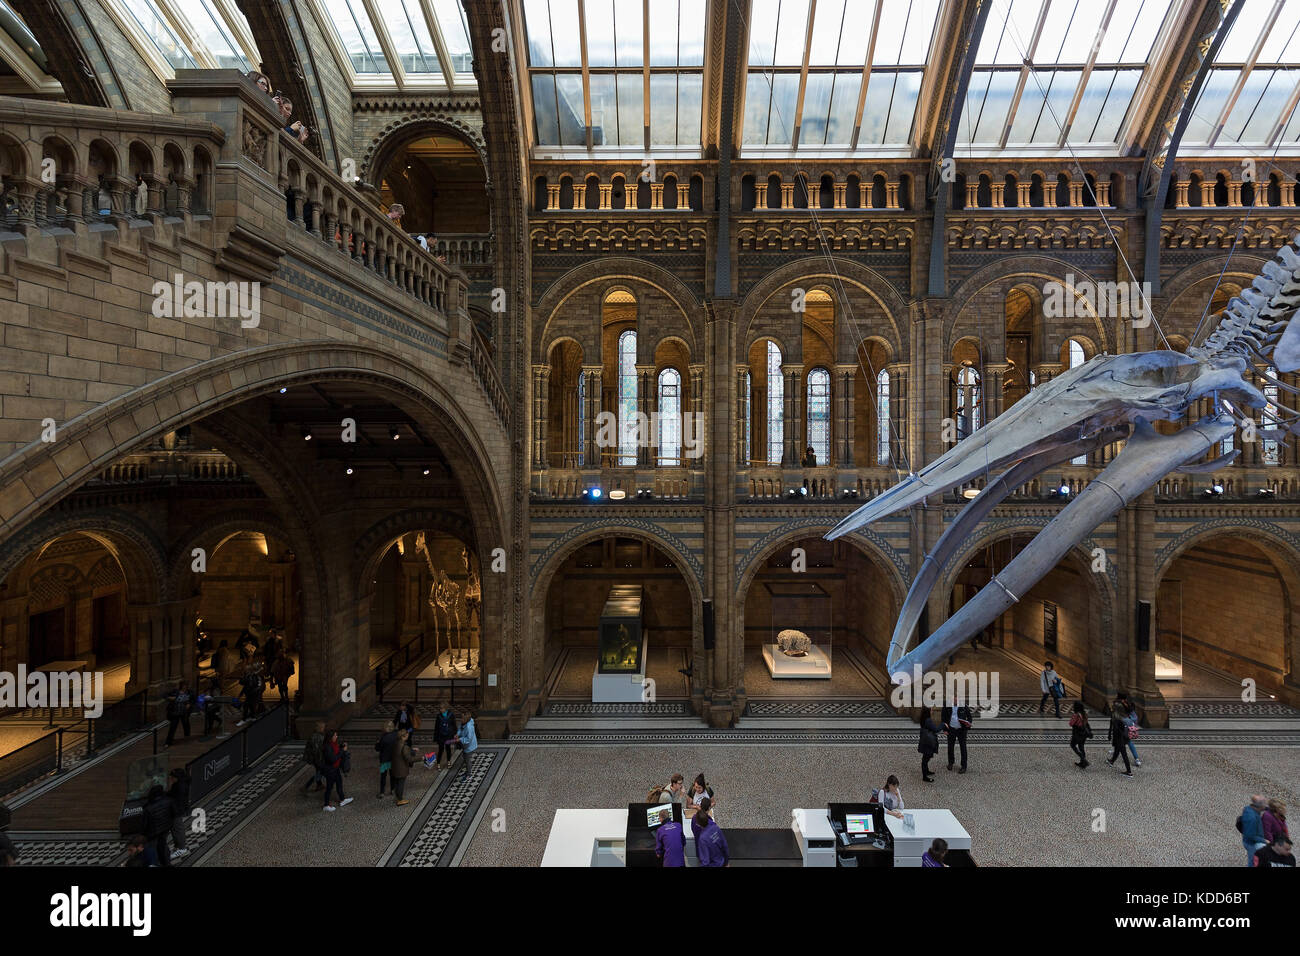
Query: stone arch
[
  {"x": 845, "y": 273},
  {"x": 411, "y": 127},
  {"x": 1282, "y": 544},
  {"x": 370, "y": 548},
  {"x": 211, "y": 536},
  {"x": 1242, "y": 269},
  {"x": 1104, "y": 587},
  {"x": 1032, "y": 269},
  {"x": 543, "y": 568},
  {"x": 611, "y": 275},
  {"x": 92, "y": 440},
  {"x": 138, "y": 550},
  {"x": 870, "y": 543}
]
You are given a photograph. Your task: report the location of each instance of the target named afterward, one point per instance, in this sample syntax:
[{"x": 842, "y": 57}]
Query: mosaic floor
[{"x": 571, "y": 673}]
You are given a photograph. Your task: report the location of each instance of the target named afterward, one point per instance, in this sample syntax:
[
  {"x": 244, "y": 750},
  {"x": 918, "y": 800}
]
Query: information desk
[{"x": 928, "y": 825}]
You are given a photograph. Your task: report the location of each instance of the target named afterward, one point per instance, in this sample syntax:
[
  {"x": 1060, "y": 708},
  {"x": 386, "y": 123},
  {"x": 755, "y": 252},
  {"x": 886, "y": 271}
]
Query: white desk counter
[
  {"x": 930, "y": 825},
  {"x": 596, "y": 838}
]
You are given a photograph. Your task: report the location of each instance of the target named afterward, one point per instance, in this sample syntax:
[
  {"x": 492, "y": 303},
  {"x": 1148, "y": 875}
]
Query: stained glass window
[{"x": 968, "y": 401}]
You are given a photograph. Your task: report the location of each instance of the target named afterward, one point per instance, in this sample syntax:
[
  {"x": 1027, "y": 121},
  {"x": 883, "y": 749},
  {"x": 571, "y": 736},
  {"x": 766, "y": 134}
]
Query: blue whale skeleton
[{"x": 1107, "y": 399}]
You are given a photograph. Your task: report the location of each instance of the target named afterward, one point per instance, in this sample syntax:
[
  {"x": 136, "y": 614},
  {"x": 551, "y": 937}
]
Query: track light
[
  {"x": 618, "y": 494},
  {"x": 283, "y": 389},
  {"x": 306, "y": 434},
  {"x": 1265, "y": 493},
  {"x": 970, "y": 493},
  {"x": 850, "y": 492},
  {"x": 591, "y": 494},
  {"x": 394, "y": 434},
  {"x": 348, "y": 470},
  {"x": 803, "y": 491},
  {"x": 1214, "y": 491},
  {"x": 426, "y": 471}
]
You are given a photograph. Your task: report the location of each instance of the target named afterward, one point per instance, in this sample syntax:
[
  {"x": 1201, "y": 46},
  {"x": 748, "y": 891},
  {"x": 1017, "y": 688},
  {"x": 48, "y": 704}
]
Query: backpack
[
  {"x": 1240, "y": 829},
  {"x": 345, "y": 761}
]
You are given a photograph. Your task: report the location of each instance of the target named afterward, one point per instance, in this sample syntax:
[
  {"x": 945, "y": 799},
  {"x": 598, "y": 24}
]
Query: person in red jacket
[{"x": 332, "y": 764}]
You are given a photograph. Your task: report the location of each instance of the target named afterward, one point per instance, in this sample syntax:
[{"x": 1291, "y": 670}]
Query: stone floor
[
  {"x": 572, "y": 673},
  {"x": 1021, "y": 804}
]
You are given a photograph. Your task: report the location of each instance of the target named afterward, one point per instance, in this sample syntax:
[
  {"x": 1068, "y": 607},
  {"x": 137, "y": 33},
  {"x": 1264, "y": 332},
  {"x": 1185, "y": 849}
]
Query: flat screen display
[
  {"x": 652, "y": 815},
  {"x": 856, "y": 823}
]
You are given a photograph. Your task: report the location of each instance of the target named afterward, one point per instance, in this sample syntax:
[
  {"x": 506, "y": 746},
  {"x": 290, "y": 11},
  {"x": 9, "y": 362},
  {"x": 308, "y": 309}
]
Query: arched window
[
  {"x": 819, "y": 414},
  {"x": 749, "y": 418},
  {"x": 1077, "y": 358},
  {"x": 1271, "y": 450},
  {"x": 968, "y": 401},
  {"x": 627, "y": 431},
  {"x": 775, "y": 405},
  {"x": 882, "y": 418},
  {"x": 670, "y": 417}
]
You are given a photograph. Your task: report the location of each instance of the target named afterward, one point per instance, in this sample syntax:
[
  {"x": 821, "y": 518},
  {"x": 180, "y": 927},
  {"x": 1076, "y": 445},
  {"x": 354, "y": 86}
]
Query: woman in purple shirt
[
  {"x": 934, "y": 856},
  {"x": 670, "y": 841},
  {"x": 710, "y": 843}
]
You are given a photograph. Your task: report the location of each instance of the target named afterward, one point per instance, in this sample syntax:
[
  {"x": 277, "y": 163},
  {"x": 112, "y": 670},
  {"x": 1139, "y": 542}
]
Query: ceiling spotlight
[
  {"x": 306, "y": 434},
  {"x": 283, "y": 389},
  {"x": 1265, "y": 493},
  {"x": 591, "y": 494},
  {"x": 1214, "y": 491},
  {"x": 1063, "y": 491},
  {"x": 426, "y": 471},
  {"x": 969, "y": 493},
  {"x": 803, "y": 491},
  {"x": 394, "y": 434},
  {"x": 348, "y": 470},
  {"x": 618, "y": 494},
  {"x": 791, "y": 493}
]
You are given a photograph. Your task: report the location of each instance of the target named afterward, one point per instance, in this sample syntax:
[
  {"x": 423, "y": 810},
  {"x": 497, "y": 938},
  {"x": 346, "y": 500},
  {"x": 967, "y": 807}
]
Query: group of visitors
[
  {"x": 955, "y": 721},
  {"x": 291, "y": 126},
  {"x": 697, "y": 802},
  {"x": 1264, "y": 833},
  {"x": 166, "y": 813},
  {"x": 330, "y": 759}
]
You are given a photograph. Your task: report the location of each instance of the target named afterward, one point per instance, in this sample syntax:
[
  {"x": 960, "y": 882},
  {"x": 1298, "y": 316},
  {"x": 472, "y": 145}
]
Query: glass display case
[{"x": 621, "y": 628}]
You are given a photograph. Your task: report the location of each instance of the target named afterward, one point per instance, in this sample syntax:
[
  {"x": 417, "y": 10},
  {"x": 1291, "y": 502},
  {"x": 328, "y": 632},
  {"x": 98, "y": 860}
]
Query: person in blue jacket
[
  {"x": 1252, "y": 827},
  {"x": 670, "y": 841},
  {"x": 467, "y": 740},
  {"x": 710, "y": 842}
]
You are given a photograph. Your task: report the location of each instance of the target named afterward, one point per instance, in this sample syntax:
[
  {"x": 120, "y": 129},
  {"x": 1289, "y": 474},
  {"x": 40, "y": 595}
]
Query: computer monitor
[
  {"x": 652, "y": 815},
  {"x": 859, "y": 824}
]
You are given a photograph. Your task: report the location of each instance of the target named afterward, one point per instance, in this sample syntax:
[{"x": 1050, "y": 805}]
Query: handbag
[{"x": 1132, "y": 732}]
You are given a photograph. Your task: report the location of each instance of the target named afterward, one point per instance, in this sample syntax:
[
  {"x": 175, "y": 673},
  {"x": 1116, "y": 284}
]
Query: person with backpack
[
  {"x": 313, "y": 755},
  {"x": 159, "y": 815},
  {"x": 1251, "y": 827},
  {"x": 444, "y": 732},
  {"x": 710, "y": 843},
  {"x": 467, "y": 741},
  {"x": 928, "y": 744},
  {"x": 335, "y": 761},
  {"x": 1118, "y": 737},
  {"x": 180, "y": 797},
  {"x": 1080, "y": 733},
  {"x": 1052, "y": 686},
  {"x": 386, "y": 744},
  {"x": 179, "y": 704},
  {"x": 403, "y": 759},
  {"x": 1131, "y": 724}
]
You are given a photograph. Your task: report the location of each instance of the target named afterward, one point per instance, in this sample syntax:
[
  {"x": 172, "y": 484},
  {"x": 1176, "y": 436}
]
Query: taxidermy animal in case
[
  {"x": 1107, "y": 399},
  {"x": 793, "y": 643}
]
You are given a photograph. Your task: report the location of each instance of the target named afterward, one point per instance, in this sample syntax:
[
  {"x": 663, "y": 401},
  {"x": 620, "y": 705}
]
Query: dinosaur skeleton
[
  {"x": 1084, "y": 408},
  {"x": 444, "y": 595}
]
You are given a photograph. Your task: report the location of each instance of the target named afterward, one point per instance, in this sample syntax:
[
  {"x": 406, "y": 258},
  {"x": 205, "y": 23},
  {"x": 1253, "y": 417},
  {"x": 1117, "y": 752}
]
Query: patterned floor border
[
  {"x": 849, "y": 738},
  {"x": 578, "y": 708},
  {"x": 222, "y": 811},
  {"x": 447, "y": 822}
]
